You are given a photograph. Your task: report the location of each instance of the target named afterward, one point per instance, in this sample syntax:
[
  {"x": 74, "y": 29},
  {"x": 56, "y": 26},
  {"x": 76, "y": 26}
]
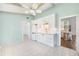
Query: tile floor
[{"x": 32, "y": 48}]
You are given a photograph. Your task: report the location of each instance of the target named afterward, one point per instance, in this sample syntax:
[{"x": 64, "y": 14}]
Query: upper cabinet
[{"x": 44, "y": 25}]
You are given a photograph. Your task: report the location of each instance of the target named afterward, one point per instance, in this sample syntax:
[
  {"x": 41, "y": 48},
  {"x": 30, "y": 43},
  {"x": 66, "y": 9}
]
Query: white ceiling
[
  {"x": 40, "y": 6},
  {"x": 26, "y": 8}
]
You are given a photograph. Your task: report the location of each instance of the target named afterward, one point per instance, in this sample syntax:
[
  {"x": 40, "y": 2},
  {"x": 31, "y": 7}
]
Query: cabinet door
[
  {"x": 49, "y": 40},
  {"x": 33, "y": 37},
  {"x": 40, "y": 38},
  {"x": 46, "y": 39}
]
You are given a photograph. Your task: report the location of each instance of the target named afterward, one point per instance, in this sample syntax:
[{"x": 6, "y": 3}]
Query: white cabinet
[
  {"x": 47, "y": 39},
  {"x": 43, "y": 34}
]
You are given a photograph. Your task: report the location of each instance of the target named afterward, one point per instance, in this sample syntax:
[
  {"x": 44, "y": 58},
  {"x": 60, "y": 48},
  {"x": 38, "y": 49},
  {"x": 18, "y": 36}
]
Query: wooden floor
[{"x": 69, "y": 43}]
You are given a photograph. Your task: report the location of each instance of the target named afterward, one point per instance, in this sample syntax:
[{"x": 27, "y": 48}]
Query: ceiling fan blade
[
  {"x": 36, "y": 5},
  {"x": 20, "y": 5},
  {"x": 41, "y": 4},
  {"x": 45, "y": 6},
  {"x": 24, "y": 6},
  {"x": 38, "y": 11}
]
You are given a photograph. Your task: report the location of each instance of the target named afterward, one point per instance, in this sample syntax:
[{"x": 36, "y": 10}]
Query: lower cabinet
[{"x": 47, "y": 39}]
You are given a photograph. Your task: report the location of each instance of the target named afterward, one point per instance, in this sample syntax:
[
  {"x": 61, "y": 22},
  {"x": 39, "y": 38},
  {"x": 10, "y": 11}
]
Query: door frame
[{"x": 60, "y": 18}]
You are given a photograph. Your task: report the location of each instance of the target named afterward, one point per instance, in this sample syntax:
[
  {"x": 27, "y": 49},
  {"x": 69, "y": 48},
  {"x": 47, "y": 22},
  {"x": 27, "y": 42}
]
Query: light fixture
[
  {"x": 38, "y": 11},
  {"x": 33, "y": 12}
]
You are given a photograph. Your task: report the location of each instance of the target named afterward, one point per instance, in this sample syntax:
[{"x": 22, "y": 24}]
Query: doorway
[
  {"x": 26, "y": 31},
  {"x": 68, "y": 32}
]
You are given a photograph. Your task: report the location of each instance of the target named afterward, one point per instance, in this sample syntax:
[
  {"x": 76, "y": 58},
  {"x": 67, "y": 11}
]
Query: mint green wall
[
  {"x": 10, "y": 28},
  {"x": 61, "y": 10}
]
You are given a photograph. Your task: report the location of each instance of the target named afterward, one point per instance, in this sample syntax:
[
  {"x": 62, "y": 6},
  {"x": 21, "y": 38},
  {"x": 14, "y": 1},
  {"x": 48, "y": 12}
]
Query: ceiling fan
[
  {"x": 35, "y": 8},
  {"x": 32, "y": 8}
]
